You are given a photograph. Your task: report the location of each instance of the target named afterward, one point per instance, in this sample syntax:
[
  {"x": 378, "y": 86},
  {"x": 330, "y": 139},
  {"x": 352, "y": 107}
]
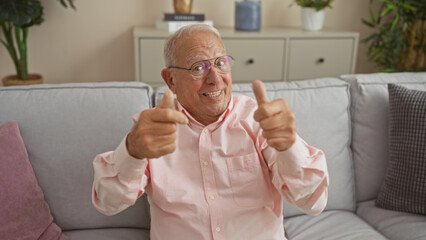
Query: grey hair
[{"x": 169, "y": 46}]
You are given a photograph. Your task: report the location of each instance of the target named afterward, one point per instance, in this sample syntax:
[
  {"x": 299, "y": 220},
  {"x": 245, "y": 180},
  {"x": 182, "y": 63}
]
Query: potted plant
[
  {"x": 16, "y": 17},
  {"x": 399, "y": 43},
  {"x": 313, "y": 13}
]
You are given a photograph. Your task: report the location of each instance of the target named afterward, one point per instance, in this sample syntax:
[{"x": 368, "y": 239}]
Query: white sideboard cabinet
[{"x": 272, "y": 54}]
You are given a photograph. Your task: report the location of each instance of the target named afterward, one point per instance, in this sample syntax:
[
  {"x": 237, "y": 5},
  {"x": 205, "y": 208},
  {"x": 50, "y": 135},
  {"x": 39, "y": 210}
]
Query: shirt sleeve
[
  {"x": 119, "y": 180},
  {"x": 300, "y": 174}
]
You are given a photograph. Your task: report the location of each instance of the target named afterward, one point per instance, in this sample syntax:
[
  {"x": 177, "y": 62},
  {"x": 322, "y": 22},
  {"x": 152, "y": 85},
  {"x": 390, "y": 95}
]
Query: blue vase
[{"x": 248, "y": 15}]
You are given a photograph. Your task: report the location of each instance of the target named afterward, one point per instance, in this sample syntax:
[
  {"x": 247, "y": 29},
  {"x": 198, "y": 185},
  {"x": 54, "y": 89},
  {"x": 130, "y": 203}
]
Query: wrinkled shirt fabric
[{"x": 223, "y": 181}]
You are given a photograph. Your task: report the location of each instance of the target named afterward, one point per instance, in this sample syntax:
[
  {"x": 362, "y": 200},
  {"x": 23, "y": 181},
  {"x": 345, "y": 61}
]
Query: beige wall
[{"x": 95, "y": 42}]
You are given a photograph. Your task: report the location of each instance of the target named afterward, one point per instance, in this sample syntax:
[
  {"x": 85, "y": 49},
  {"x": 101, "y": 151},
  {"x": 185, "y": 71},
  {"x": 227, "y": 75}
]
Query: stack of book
[{"x": 172, "y": 21}]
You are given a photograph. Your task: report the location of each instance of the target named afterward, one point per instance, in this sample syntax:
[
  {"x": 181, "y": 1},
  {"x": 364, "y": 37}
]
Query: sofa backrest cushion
[
  {"x": 321, "y": 108},
  {"x": 64, "y": 127},
  {"x": 370, "y": 108}
]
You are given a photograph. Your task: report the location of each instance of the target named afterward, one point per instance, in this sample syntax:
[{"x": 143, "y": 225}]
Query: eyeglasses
[{"x": 201, "y": 68}]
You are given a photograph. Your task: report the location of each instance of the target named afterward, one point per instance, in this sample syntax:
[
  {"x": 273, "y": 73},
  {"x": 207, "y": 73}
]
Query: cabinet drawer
[
  {"x": 256, "y": 59},
  {"x": 151, "y": 60},
  {"x": 313, "y": 58}
]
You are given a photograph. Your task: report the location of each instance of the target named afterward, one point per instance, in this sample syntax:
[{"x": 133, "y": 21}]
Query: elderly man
[{"x": 214, "y": 165}]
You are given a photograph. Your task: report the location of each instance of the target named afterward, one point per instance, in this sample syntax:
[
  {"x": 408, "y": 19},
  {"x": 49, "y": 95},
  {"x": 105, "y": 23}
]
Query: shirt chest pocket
[{"x": 247, "y": 180}]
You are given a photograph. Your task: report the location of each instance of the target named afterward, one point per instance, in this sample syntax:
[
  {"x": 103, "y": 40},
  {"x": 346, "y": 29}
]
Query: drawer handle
[
  {"x": 250, "y": 61},
  {"x": 321, "y": 60}
]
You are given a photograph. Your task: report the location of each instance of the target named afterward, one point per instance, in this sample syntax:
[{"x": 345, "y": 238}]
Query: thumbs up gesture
[
  {"x": 275, "y": 118},
  {"x": 154, "y": 134}
]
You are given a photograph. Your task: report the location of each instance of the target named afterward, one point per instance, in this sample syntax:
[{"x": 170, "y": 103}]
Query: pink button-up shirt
[{"x": 222, "y": 182}]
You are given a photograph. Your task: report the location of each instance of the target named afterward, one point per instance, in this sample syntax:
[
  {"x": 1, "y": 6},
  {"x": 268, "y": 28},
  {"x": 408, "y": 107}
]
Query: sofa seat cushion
[
  {"x": 394, "y": 225},
  {"x": 108, "y": 234},
  {"x": 65, "y": 126},
  {"x": 330, "y": 225},
  {"x": 369, "y": 111}
]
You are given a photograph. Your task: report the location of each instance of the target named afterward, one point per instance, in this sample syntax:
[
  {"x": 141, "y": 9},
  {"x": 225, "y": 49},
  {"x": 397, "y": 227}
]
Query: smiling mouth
[{"x": 213, "y": 94}]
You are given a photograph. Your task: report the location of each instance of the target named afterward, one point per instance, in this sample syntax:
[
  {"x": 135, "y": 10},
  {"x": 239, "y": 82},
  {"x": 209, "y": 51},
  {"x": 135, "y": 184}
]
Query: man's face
[{"x": 206, "y": 98}]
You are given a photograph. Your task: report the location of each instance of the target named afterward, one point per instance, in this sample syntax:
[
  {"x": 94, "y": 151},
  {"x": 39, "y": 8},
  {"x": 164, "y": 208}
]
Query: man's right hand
[{"x": 154, "y": 134}]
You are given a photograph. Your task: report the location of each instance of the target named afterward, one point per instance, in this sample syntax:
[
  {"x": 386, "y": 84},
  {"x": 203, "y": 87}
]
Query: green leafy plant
[
  {"x": 317, "y": 4},
  {"x": 16, "y": 17},
  {"x": 399, "y": 43}
]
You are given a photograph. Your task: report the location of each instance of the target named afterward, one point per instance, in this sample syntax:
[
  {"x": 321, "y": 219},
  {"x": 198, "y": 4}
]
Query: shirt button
[
  {"x": 206, "y": 131},
  {"x": 280, "y": 162},
  {"x": 206, "y": 163},
  {"x": 211, "y": 197},
  {"x": 217, "y": 229}
]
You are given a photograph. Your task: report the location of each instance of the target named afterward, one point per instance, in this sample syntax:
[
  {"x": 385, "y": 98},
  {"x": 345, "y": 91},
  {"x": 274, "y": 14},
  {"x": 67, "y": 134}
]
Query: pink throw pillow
[{"x": 24, "y": 214}]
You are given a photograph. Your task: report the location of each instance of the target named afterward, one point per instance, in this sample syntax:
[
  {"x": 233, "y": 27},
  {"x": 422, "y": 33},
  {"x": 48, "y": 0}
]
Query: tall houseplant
[
  {"x": 313, "y": 13},
  {"x": 16, "y": 17},
  {"x": 399, "y": 43}
]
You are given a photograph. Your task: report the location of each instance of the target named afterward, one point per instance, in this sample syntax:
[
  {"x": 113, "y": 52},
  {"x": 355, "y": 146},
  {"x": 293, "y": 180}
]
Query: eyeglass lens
[{"x": 223, "y": 64}]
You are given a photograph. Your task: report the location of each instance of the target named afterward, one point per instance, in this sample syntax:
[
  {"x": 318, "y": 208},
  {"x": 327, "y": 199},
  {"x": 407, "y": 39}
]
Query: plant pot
[
  {"x": 312, "y": 20},
  {"x": 13, "y": 80}
]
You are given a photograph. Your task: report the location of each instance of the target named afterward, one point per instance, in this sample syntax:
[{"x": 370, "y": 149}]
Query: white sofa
[{"x": 64, "y": 126}]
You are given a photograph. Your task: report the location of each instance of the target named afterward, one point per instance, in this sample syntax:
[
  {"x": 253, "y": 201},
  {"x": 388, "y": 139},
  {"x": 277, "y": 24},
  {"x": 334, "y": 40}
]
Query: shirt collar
[{"x": 212, "y": 126}]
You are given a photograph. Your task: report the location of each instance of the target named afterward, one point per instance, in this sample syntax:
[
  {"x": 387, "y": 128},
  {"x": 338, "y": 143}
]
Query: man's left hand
[{"x": 275, "y": 118}]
